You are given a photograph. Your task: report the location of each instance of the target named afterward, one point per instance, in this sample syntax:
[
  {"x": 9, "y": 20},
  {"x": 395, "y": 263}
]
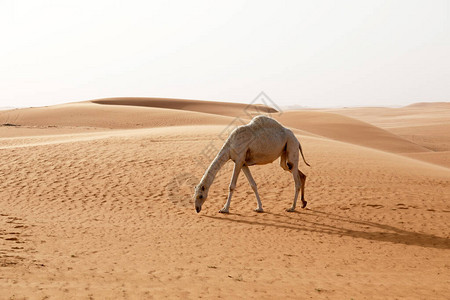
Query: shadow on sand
[{"x": 333, "y": 224}]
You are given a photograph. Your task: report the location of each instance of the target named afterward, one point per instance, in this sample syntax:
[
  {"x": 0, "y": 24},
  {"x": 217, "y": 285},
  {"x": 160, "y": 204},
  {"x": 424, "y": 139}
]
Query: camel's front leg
[
  {"x": 237, "y": 169},
  {"x": 252, "y": 182}
]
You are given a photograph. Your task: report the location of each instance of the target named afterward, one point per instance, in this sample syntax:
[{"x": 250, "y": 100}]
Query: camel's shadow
[{"x": 335, "y": 224}]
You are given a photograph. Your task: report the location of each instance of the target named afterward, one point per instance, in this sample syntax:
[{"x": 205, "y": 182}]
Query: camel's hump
[{"x": 264, "y": 121}]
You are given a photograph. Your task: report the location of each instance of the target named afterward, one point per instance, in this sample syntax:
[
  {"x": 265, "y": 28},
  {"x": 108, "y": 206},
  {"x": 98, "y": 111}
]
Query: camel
[{"x": 259, "y": 142}]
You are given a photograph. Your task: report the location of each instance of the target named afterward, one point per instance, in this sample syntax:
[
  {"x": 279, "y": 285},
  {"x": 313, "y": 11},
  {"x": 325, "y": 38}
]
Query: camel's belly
[
  {"x": 260, "y": 161},
  {"x": 256, "y": 157}
]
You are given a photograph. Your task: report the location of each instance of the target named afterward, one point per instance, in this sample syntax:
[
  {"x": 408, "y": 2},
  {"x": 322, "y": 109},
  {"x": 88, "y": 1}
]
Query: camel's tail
[{"x": 301, "y": 152}]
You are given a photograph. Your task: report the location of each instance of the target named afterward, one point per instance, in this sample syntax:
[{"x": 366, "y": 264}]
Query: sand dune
[
  {"x": 348, "y": 130},
  {"x": 441, "y": 158},
  {"x": 210, "y": 107},
  {"x": 424, "y": 124},
  {"x": 119, "y": 113},
  {"x": 101, "y": 213},
  {"x": 415, "y": 114},
  {"x": 106, "y": 116},
  {"x": 427, "y": 124},
  {"x": 429, "y": 105},
  {"x": 435, "y": 137}
]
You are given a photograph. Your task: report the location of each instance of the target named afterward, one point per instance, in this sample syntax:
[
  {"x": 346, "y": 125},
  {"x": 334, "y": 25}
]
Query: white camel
[{"x": 258, "y": 143}]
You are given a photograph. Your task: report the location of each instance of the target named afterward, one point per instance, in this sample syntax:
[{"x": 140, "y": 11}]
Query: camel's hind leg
[
  {"x": 299, "y": 179},
  {"x": 303, "y": 182},
  {"x": 283, "y": 161},
  {"x": 252, "y": 182}
]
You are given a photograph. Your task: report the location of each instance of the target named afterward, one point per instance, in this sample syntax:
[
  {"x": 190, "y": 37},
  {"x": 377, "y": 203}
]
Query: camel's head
[{"x": 200, "y": 195}]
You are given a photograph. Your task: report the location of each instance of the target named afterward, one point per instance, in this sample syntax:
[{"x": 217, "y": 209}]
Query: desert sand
[{"x": 95, "y": 203}]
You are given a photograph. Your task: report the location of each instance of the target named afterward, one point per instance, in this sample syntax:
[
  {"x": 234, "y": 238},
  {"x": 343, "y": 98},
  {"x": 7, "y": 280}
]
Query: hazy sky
[{"x": 309, "y": 53}]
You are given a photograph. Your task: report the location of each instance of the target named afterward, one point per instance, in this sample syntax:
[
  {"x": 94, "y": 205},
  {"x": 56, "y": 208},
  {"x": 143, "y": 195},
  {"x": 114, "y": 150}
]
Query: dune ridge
[{"x": 210, "y": 107}]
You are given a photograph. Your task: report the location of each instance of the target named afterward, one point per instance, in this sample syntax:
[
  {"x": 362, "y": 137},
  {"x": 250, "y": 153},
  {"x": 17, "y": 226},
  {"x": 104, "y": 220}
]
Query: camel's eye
[{"x": 200, "y": 197}]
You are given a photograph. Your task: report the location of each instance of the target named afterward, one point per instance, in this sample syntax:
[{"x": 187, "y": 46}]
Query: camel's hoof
[
  {"x": 290, "y": 209},
  {"x": 259, "y": 210},
  {"x": 224, "y": 211},
  {"x": 304, "y": 204}
]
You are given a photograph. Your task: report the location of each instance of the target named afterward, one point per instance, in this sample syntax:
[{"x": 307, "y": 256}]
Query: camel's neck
[{"x": 221, "y": 158}]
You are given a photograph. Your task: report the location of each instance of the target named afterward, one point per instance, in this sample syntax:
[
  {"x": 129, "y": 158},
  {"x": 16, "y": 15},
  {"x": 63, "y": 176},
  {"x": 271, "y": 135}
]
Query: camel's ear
[{"x": 203, "y": 187}]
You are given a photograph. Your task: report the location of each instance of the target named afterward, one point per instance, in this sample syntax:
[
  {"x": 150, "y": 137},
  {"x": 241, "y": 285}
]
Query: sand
[
  {"x": 424, "y": 124},
  {"x": 96, "y": 203}
]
